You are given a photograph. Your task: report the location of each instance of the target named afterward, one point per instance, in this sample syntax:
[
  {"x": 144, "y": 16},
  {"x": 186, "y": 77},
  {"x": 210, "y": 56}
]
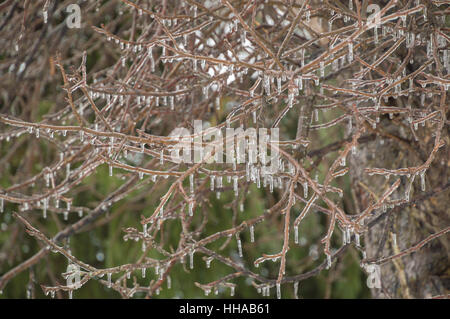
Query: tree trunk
[{"x": 425, "y": 272}]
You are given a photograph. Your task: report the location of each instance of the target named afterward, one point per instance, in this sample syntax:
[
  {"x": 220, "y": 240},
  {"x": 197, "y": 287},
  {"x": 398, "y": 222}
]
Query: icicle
[
  {"x": 169, "y": 282},
  {"x": 208, "y": 262},
  {"x": 145, "y": 230},
  {"x": 408, "y": 188},
  {"x": 143, "y": 272},
  {"x": 322, "y": 69},
  {"x": 357, "y": 239},
  {"x": 305, "y": 189},
  {"x": 37, "y": 133},
  {"x": 296, "y": 285},
  {"x": 191, "y": 259},
  {"x": 161, "y": 157},
  {"x": 191, "y": 183},
  {"x": 109, "y": 280},
  {"x": 128, "y": 275},
  {"x": 267, "y": 84},
  {"x": 191, "y": 208},
  {"x": 350, "y": 4},
  {"x": 217, "y": 102},
  {"x": 302, "y": 53},
  {"x": 279, "y": 286},
  {"x": 81, "y": 135},
  {"x": 1, "y": 205},
  {"x": 45, "y": 13},
  {"x": 300, "y": 83},
  {"x": 70, "y": 294},
  {"x": 110, "y": 170},
  {"x": 422, "y": 181},
  {"x": 252, "y": 234},
  {"x": 239, "y": 243},
  {"x": 235, "y": 186},
  {"x": 296, "y": 234},
  {"x": 212, "y": 177},
  {"x": 350, "y": 52},
  {"x": 291, "y": 99},
  {"x": 328, "y": 261},
  {"x": 232, "y": 291}
]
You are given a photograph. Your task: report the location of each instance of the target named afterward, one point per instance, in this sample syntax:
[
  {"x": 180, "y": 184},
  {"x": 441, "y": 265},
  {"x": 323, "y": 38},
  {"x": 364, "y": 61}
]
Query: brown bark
[{"x": 424, "y": 273}]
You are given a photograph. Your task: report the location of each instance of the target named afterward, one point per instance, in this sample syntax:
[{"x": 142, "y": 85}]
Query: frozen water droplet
[
  {"x": 191, "y": 259},
  {"x": 296, "y": 290},
  {"x": 350, "y": 52},
  {"x": 422, "y": 181},
  {"x": 235, "y": 186},
  {"x": 328, "y": 261},
  {"x": 191, "y": 183},
  {"x": 208, "y": 262},
  {"x": 191, "y": 207},
  {"x": 305, "y": 189},
  {"x": 239, "y": 243}
]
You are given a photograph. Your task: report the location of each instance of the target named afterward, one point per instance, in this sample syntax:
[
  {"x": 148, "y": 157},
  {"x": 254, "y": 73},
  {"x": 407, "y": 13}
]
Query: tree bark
[{"x": 424, "y": 273}]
